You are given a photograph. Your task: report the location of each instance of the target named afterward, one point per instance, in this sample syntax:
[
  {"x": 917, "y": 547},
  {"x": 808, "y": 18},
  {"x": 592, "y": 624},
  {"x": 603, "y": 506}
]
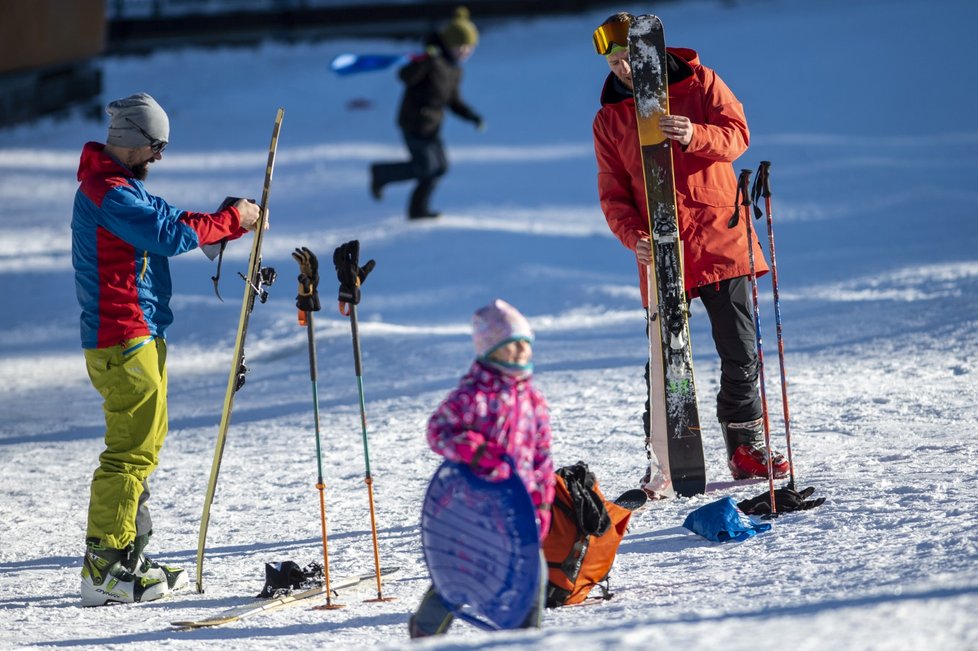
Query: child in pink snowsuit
[{"x": 495, "y": 412}]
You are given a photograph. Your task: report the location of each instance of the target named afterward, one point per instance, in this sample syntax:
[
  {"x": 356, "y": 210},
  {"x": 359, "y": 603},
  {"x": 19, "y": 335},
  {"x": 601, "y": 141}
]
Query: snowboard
[
  {"x": 677, "y": 461},
  {"x": 481, "y": 546},
  {"x": 255, "y": 281}
]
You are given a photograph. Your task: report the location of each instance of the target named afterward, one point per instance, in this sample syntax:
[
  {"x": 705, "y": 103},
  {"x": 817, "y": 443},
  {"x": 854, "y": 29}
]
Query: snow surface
[{"x": 866, "y": 111}]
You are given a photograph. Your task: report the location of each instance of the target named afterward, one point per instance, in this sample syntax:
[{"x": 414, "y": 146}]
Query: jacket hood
[
  {"x": 686, "y": 60},
  {"x": 96, "y": 162}
]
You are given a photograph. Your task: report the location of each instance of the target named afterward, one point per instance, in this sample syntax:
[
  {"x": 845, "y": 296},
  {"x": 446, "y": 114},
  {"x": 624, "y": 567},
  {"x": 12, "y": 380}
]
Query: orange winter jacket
[{"x": 706, "y": 185}]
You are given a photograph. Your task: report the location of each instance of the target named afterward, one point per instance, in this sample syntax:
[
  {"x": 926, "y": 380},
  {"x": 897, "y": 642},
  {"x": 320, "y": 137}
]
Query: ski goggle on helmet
[{"x": 607, "y": 36}]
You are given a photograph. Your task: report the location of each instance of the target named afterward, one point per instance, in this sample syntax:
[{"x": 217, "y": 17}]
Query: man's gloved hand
[
  {"x": 786, "y": 500},
  {"x": 351, "y": 275},
  {"x": 480, "y": 124},
  {"x": 307, "y": 299}
]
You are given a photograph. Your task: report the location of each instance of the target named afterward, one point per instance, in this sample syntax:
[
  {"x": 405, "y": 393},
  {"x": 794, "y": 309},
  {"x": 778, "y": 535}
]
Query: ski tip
[{"x": 647, "y": 21}]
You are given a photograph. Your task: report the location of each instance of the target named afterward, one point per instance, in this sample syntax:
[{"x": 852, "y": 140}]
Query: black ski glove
[
  {"x": 308, "y": 298},
  {"x": 351, "y": 275},
  {"x": 228, "y": 201},
  {"x": 786, "y": 499},
  {"x": 284, "y": 577}
]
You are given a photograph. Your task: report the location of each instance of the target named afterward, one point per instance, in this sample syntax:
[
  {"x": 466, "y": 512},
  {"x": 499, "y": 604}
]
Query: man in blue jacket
[{"x": 122, "y": 237}]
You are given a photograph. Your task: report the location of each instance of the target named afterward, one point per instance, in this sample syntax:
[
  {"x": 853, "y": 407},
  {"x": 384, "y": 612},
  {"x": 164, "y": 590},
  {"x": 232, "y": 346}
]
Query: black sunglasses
[{"x": 155, "y": 144}]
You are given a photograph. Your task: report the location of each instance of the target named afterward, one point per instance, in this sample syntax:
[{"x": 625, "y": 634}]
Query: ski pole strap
[
  {"x": 228, "y": 201},
  {"x": 764, "y": 178},
  {"x": 217, "y": 277},
  {"x": 742, "y": 191},
  {"x": 761, "y": 187},
  {"x": 742, "y": 198}
]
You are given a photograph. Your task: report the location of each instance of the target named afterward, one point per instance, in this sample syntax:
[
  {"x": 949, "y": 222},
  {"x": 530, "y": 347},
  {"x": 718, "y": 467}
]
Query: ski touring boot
[
  {"x": 176, "y": 577},
  {"x": 107, "y": 577},
  {"x": 747, "y": 454}
]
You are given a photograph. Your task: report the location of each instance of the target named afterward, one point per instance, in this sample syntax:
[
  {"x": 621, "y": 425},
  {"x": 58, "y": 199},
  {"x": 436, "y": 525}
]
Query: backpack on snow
[{"x": 585, "y": 532}]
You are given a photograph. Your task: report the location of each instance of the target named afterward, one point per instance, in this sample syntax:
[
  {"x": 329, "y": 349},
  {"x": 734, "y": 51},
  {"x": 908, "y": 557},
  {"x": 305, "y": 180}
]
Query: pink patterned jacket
[{"x": 492, "y": 414}]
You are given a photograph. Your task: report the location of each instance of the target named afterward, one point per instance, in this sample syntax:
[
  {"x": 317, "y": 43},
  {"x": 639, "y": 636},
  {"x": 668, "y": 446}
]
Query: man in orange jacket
[{"x": 708, "y": 132}]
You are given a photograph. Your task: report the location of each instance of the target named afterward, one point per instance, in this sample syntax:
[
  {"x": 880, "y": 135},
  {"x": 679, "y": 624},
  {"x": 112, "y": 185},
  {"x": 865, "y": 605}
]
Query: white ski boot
[{"x": 106, "y": 579}]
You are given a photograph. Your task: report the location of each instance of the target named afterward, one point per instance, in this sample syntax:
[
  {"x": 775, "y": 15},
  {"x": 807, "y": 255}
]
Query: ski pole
[
  {"x": 367, "y": 479},
  {"x": 743, "y": 196},
  {"x": 307, "y": 301},
  {"x": 762, "y": 188},
  {"x": 351, "y": 275}
]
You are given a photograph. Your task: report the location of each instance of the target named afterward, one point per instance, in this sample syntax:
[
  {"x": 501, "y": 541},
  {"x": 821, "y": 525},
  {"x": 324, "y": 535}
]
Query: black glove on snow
[
  {"x": 308, "y": 298},
  {"x": 786, "y": 499},
  {"x": 284, "y": 577},
  {"x": 351, "y": 275}
]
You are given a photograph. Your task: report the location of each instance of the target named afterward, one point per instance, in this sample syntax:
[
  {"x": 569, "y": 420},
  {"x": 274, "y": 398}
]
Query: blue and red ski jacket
[{"x": 121, "y": 237}]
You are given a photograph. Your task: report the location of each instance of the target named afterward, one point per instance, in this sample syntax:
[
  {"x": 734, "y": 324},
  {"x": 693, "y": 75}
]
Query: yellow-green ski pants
[{"x": 131, "y": 378}]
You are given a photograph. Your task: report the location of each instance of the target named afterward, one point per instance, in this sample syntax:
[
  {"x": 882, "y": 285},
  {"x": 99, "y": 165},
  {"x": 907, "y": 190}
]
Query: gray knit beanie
[{"x": 128, "y": 115}]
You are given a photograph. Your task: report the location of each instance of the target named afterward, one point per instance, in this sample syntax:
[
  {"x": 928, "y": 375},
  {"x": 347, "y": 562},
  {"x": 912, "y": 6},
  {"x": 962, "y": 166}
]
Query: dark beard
[{"x": 141, "y": 171}]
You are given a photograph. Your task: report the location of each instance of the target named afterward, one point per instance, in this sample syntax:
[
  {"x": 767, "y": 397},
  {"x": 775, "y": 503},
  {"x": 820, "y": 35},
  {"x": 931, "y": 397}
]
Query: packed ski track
[{"x": 874, "y": 204}]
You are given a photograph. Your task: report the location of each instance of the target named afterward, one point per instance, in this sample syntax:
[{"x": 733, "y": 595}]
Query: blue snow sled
[
  {"x": 348, "y": 64},
  {"x": 482, "y": 547}
]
